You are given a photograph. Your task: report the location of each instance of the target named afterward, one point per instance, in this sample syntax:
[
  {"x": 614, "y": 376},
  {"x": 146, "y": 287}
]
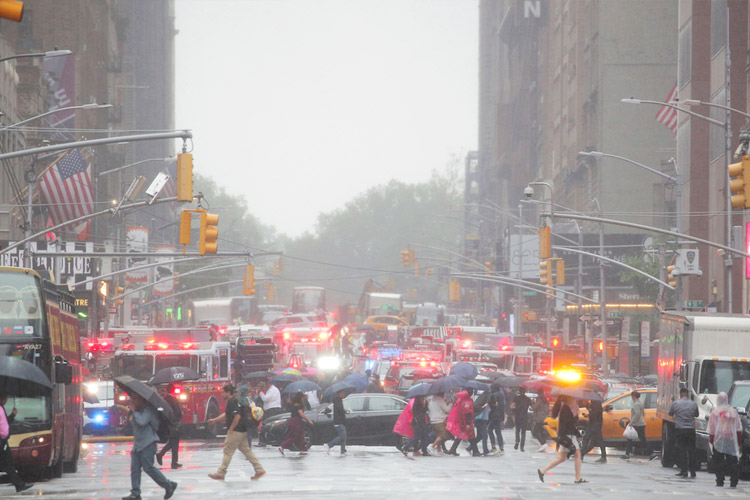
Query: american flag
[
  {"x": 67, "y": 191},
  {"x": 667, "y": 115}
]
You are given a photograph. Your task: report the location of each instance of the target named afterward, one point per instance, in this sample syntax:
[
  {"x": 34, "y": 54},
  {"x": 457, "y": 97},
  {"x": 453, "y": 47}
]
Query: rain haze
[{"x": 299, "y": 106}]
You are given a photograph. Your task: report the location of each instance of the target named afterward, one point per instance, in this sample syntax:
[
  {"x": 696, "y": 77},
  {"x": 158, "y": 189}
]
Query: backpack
[
  {"x": 251, "y": 415},
  {"x": 165, "y": 428},
  {"x": 482, "y": 400}
]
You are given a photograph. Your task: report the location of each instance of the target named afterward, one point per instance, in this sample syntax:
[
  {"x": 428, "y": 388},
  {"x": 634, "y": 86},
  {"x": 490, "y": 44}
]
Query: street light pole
[{"x": 49, "y": 53}]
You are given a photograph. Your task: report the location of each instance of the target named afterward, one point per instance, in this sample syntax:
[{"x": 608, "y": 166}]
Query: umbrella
[
  {"x": 358, "y": 380},
  {"x": 508, "y": 382},
  {"x": 493, "y": 375},
  {"x": 535, "y": 385},
  {"x": 19, "y": 377},
  {"x": 309, "y": 371},
  {"x": 301, "y": 386},
  {"x": 464, "y": 370},
  {"x": 473, "y": 384},
  {"x": 174, "y": 374},
  {"x": 445, "y": 384},
  {"x": 335, "y": 388},
  {"x": 290, "y": 370},
  {"x": 133, "y": 386},
  {"x": 576, "y": 393},
  {"x": 285, "y": 377},
  {"x": 258, "y": 375},
  {"x": 422, "y": 389}
]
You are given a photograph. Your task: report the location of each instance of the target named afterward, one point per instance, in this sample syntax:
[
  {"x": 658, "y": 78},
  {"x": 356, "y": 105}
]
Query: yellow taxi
[
  {"x": 381, "y": 323},
  {"x": 616, "y": 416}
]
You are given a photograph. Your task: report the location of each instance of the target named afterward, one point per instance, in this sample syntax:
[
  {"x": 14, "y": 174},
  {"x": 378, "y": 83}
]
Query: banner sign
[{"x": 137, "y": 242}]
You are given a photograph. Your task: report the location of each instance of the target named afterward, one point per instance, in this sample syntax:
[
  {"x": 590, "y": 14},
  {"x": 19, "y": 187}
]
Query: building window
[
  {"x": 718, "y": 25},
  {"x": 717, "y": 143},
  {"x": 684, "y": 48}
]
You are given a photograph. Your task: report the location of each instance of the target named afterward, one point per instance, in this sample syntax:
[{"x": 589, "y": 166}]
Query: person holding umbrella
[
  {"x": 497, "y": 417},
  {"x": 419, "y": 423},
  {"x": 295, "y": 432},
  {"x": 145, "y": 422},
  {"x": 521, "y": 404},
  {"x": 438, "y": 411},
  {"x": 6, "y": 457},
  {"x": 339, "y": 423},
  {"x": 540, "y": 412},
  {"x": 566, "y": 410},
  {"x": 461, "y": 420},
  {"x": 174, "y": 433}
]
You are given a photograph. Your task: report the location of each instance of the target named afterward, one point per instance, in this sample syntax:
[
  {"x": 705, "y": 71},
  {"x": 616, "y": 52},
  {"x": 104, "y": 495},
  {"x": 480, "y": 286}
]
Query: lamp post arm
[
  {"x": 682, "y": 110},
  {"x": 597, "y": 154},
  {"x": 526, "y": 285},
  {"x": 720, "y": 106},
  {"x": 52, "y": 112}
]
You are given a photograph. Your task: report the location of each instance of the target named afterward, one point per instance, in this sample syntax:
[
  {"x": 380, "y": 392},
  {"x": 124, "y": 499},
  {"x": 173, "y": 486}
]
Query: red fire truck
[
  {"x": 307, "y": 343},
  {"x": 200, "y": 399},
  {"x": 427, "y": 360}
]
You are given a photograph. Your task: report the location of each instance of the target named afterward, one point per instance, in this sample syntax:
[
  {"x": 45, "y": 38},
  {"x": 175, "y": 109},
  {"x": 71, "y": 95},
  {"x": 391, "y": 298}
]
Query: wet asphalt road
[{"x": 375, "y": 473}]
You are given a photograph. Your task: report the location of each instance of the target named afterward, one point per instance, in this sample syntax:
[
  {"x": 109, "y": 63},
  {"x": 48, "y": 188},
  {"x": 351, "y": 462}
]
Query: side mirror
[
  {"x": 742, "y": 411},
  {"x": 704, "y": 400},
  {"x": 609, "y": 408},
  {"x": 63, "y": 373},
  {"x": 683, "y": 373},
  {"x": 390, "y": 378},
  {"x": 327, "y": 411}
]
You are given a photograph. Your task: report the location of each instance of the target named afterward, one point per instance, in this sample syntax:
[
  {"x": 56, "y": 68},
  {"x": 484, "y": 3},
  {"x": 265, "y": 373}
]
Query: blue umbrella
[
  {"x": 285, "y": 377},
  {"x": 301, "y": 386},
  {"x": 338, "y": 386},
  {"x": 464, "y": 370},
  {"x": 422, "y": 389},
  {"x": 358, "y": 380},
  {"x": 445, "y": 384},
  {"x": 477, "y": 386}
]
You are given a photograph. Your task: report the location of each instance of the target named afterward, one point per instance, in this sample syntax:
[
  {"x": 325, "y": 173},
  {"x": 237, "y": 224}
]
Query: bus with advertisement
[
  {"x": 38, "y": 324},
  {"x": 200, "y": 400}
]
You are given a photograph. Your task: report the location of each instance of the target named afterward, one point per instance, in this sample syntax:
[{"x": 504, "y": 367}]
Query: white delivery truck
[{"x": 705, "y": 353}]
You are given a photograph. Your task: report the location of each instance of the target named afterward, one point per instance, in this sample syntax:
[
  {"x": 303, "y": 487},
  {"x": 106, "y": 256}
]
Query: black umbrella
[
  {"x": 464, "y": 370},
  {"x": 576, "y": 393},
  {"x": 335, "y": 388},
  {"x": 22, "y": 378},
  {"x": 174, "y": 374},
  {"x": 493, "y": 375},
  {"x": 473, "y": 384},
  {"x": 422, "y": 389},
  {"x": 133, "y": 386},
  {"x": 445, "y": 384},
  {"x": 508, "y": 382},
  {"x": 301, "y": 386},
  {"x": 258, "y": 375}
]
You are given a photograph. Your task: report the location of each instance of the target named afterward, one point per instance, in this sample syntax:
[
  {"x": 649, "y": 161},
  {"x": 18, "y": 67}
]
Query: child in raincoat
[{"x": 460, "y": 421}]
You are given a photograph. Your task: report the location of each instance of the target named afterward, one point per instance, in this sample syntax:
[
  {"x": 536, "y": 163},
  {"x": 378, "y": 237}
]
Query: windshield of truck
[
  {"x": 718, "y": 376},
  {"x": 169, "y": 360},
  {"x": 740, "y": 396},
  {"x": 139, "y": 366}
]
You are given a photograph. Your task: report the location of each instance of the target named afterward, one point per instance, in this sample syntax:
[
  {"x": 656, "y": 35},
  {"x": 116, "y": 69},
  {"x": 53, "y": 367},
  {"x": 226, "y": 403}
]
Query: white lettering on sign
[{"x": 532, "y": 8}]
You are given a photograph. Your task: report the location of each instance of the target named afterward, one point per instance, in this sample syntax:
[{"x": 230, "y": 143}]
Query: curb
[{"x": 108, "y": 439}]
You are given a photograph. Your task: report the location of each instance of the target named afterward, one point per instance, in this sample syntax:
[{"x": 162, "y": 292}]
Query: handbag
[{"x": 630, "y": 433}]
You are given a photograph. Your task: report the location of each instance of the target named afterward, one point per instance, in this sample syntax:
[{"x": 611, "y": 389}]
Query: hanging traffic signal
[
  {"x": 412, "y": 256},
  {"x": 545, "y": 242},
  {"x": 555, "y": 342},
  {"x": 184, "y": 177},
  {"x": 428, "y": 273},
  {"x": 119, "y": 290},
  {"x": 416, "y": 269},
  {"x": 488, "y": 265},
  {"x": 209, "y": 233},
  {"x": 454, "y": 291},
  {"x": 11, "y": 9},
  {"x": 600, "y": 346},
  {"x": 405, "y": 256},
  {"x": 103, "y": 288},
  {"x": 671, "y": 276},
  {"x": 248, "y": 282},
  {"x": 740, "y": 186},
  {"x": 270, "y": 293},
  {"x": 185, "y": 221},
  {"x": 559, "y": 272},
  {"x": 545, "y": 272}
]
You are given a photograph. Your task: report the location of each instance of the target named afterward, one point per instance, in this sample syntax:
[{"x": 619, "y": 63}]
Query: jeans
[
  {"x": 685, "y": 442},
  {"x": 592, "y": 438},
  {"x": 174, "y": 445},
  {"x": 495, "y": 431},
  {"x": 641, "y": 430},
  {"x": 482, "y": 434},
  {"x": 520, "y": 431},
  {"x": 420, "y": 440},
  {"x": 340, "y": 438},
  {"x": 726, "y": 465},
  {"x": 144, "y": 459},
  {"x": 233, "y": 442}
]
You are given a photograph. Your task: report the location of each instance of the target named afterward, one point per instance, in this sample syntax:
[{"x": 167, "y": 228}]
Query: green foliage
[{"x": 645, "y": 287}]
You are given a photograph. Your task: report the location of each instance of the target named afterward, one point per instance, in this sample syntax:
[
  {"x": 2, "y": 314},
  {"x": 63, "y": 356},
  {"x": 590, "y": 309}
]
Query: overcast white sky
[{"x": 300, "y": 105}]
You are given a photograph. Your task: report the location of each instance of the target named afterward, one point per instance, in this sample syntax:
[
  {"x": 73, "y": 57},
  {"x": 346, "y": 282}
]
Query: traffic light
[
  {"x": 185, "y": 221},
  {"x": 545, "y": 272},
  {"x": 740, "y": 186},
  {"x": 248, "y": 282},
  {"x": 416, "y": 269},
  {"x": 119, "y": 290},
  {"x": 428, "y": 273},
  {"x": 555, "y": 342},
  {"x": 671, "y": 278},
  {"x": 270, "y": 292},
  {"x": 405, "y": 258},
  {"x": 545, "y": 242},
  {"x": 103, "y": 288},
  {"x": 488, "y": 265},
  {"x": 454, "y": 291},
  {"x": 184, "y": 177},
  {"x": 412, "y": 256},
  {"x": 11, "y": 9},
  {"x": 600, "y": 346},
  {"x": 209, "y": 233},
  {"x": 559, "y": 272}
]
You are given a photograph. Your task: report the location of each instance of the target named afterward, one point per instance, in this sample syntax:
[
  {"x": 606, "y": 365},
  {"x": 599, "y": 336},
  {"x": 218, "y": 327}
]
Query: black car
[
  {"x": 739, "y": 397},
  {"x": 369, "y": 420}
]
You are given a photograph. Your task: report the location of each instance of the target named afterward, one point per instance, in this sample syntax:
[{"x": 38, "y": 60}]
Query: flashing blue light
[
  {"x": 369, "y": 364},
  {"x": 98, "y": 418}
]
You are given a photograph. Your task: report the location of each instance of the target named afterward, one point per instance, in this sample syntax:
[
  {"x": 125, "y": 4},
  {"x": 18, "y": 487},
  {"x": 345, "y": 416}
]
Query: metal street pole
[
  {"x": 519, "y": 295},
  {"x": 729, "y": 260},
  {"x": 602, "y": 301}
]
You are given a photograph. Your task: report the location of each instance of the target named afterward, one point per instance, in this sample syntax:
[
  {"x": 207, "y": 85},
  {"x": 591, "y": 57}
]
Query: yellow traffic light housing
[
  {"x": 248, "y": 282},
  {"x": 11, "y": 9},
  {"x": 559, "y": 272},
  {"x": 270, "y": 293},
  {"x": 412, "y": 257},
  {"x": 416, "y": 269},
  {"x": 405, "y": 258},
  {"x": 119, "y": 290},
  {"x": 209, "y": 233},
  {"x": 488, "y": 265},
  {"x": 185, "y": 222},
  {"x": 454, "y": 291},
  {"x": 184, "y": 177},
  {"x": 545, "y": 242},
  {"x": 740, "y": 186},
  {"x": 545, "y": 272},
  {"x": 103, "y": 288},
  {"x": 671, "y": 279}
]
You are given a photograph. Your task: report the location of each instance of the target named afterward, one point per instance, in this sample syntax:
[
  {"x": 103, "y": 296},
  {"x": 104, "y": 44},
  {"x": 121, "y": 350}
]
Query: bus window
[{"x": 223, "y": 363}]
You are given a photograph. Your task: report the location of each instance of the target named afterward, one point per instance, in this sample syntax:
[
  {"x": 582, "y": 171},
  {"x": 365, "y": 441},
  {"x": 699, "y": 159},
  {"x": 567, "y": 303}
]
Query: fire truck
[
  {"x": 253, "y": 353},
  {"x": 200, "y": 400},
  {"x": 307, "y": 343},
  {"x": 426, "y": 359},
  {"x": 523, "y": 361}
]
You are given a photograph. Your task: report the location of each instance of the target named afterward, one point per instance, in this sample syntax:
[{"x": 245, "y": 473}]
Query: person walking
[
  {"x": 6, "y": 457},
  {"x": 145, "y": 422},
  {"x": 497, "y": 417},
  {"x": 419, "y": 422},
  {"x": 685, "y": 411},
  {"x": 236, "y": 435},
  {"x": 481, "y": 424},
  {"x": 438, "y": 411},
  {"x": 637, "y": 422},
  {"x": 174, "y": 433},
  {"x": 295, "y": 431},
  {"x": 725, "y": 436},
  {"x": 461, "y": 420},
  {"x": 594, "y": 432},
  {"x": 540, "y": 411},
  {"x": 521, "y": 404},
  {"x": 339, "y": 423},
  {"x": 566, "y": 410}
]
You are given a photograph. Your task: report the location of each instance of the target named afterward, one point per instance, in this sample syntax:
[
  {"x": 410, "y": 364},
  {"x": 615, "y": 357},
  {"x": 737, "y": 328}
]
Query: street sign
[
  {"x": 599, "y": 323},
  {"x": 112, "y": 309},
  {"x": 693, "y": 304},
  {"x": 586, "y": 317},
  {"x": 687, "y": 261},
  {"x": 615, "y": 314},
  {"x": 529, "y": 293}
]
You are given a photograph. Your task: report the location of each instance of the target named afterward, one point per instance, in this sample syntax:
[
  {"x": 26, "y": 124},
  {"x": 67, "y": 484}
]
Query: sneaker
[
  {"x": 132, "y": 496},
  {"x": 501, "y": 452},
  {"x": 540, "y": 474},
  {"x": 515, "y": 447},
  {"x": 522, "y": 449},
  {"x": 343, "y": 454},
  {"x": 328, "y": 450},
  {"x": 258, "y": 475},
  {"x": 494, "y": 448},
  {"x": 176, "y": 466},
  {"x": 158, "y": 459},
  {"x": 542, "y": 449},
  {"x": 281, "y": 450},
  {"x": 217, "y": 477},
  {"x": 602, "y": 460},
  {"x": 625, "y": 457},
  {"x": 170, "y": 490},
  {"x": 692, "y": 475}
]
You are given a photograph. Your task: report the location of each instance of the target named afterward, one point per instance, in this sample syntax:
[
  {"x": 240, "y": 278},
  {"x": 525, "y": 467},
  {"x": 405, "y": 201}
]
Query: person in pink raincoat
[
  {"x": 403, "y": 424},
  {"x": 460, "y": 421}
]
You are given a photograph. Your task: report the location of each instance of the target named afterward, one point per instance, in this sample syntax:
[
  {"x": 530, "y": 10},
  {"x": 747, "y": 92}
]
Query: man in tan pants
[{"x": 236, "y": 436}]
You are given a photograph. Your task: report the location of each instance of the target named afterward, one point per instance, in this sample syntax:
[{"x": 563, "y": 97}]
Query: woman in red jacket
[{"x": 461, "y": 420}]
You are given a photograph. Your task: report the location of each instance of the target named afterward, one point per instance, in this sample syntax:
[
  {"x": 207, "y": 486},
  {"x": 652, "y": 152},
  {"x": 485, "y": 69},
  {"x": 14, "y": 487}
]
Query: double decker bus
[
  {"x": 307, "y": 299},
  {"x": 200, "y": 400},
  {"x": 38, "y": 324}
]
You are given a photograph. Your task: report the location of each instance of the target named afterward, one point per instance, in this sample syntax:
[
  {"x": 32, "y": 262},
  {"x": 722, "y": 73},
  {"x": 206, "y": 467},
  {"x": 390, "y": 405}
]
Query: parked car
[
  {"x": 616, "y": 417},
  {"x": 369, "y": 421}
]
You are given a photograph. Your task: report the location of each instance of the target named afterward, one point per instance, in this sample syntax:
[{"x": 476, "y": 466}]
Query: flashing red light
[
  {"x": 128, "y": 347},
  {"x": 222, "y": 330},
  {"x": 187, "y": 345},
  {"x": 600, "y": 346},
  {"x": 286, "y": 335},
  {"x": 323, "y": 335},
  {"x": 177, "y": 390},
  {"x": 163, "y": 345},
  {"x": 467, "y": 343},
  {"x": 505, "y": 348},
  {"x": 91, "y": 344},
  {"x": 555, "y": 342}
]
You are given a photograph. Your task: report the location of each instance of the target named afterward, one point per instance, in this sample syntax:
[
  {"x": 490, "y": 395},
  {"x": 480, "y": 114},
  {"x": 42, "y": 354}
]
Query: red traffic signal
[
  {"x": 600, "y": 346},
  {"x": 555, "y": 342}
]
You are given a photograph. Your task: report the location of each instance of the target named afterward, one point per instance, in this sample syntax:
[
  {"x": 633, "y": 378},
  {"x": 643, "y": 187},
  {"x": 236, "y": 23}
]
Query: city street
[{"x": 380, "y": 472}]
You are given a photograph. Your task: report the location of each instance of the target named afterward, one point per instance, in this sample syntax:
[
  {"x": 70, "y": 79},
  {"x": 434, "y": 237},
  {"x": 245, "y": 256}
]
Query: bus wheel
[
  {"x": 213, "y": 411},
  {"x": 72, "y": 465},
  {"x": 55, "y": 471}
]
